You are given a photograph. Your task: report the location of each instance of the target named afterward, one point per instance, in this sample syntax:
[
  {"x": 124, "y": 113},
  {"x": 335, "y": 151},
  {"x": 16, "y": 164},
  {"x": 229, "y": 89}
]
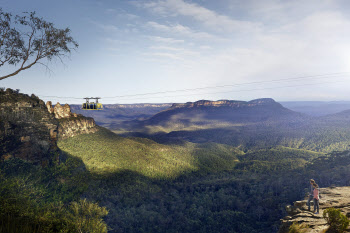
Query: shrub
[
  {"x": 298, "y": 228},
  {"x": 336, "y": 220},
  {"x": 87, "y": 217}
]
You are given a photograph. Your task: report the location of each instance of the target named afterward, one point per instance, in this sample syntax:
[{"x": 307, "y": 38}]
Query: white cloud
[
  {"x": 175, "y": 53},
  {"x": 159, "y": 47},
  {"x": 166, "y": 40},
  {"x": 309, "y": 43},
  {"x": 201, "y": 14},
  {"x": 205, "y": 47},
  {"x": 182, "y": 30},
  {"x": 166, "y": 55}
]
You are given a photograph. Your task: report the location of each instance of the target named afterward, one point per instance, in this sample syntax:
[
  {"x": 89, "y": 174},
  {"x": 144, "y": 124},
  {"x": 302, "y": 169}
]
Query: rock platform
[{"x": 336, "y": 197}]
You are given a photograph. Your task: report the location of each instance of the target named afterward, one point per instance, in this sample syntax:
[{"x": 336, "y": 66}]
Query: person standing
[
  {"x": 316, "y": 199},
  {"x": 311, "y": 196}
]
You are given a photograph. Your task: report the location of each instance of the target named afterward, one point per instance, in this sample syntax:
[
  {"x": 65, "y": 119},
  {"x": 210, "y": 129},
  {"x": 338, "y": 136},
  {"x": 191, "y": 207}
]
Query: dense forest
[
  {"x": 211, "y": 194},
  {"x": 246, "y": 196}
]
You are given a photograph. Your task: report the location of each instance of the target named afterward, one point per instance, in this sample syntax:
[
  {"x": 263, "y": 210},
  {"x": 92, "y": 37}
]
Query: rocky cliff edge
[
  {"x": 29, "y": 129},
  {"x": 71, "y": 124},
  {"x": 336, "y": 197}
]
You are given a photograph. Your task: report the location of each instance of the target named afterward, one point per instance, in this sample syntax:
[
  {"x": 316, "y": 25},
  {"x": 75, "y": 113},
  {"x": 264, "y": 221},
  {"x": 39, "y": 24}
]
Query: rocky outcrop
[
  {"x": 225, "y": 103},
  {"x": 61, "y": 111},
  {"x": 27, "y": 130},
  {"x": 71, "y": 124},
  {"x": 336, "y": 197}
]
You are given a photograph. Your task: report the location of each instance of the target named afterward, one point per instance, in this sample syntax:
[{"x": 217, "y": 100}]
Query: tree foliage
[
  {"x": 35, "y": 199},
  {"x": 298, "y": 228},
  {"x": 336, "y": 220},
  {"x": 26, "y": 40}
]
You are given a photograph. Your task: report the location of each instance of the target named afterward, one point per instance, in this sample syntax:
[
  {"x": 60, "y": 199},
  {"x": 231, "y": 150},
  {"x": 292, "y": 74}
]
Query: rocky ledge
[{"x": 337, "y": 197}]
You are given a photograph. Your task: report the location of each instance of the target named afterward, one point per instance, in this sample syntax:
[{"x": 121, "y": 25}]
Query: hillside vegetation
[
  {"x": 252, "y": 125},
  {"x": 106, "y": 152},
  {"x": 35, "y": 199},
  {"x": 150, "y": 187}
]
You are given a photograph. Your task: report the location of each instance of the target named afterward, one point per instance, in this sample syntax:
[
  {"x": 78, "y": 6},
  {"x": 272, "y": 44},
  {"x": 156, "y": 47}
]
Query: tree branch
[
  {"x": 19, "y": 70},
  {"x": 38, "y": 40}
]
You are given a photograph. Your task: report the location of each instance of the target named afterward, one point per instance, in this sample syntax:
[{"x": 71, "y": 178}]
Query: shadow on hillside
[
  {"x": 205, "y": 162},
  {"x": 136, "y": 201},
  {"x": 233, "y": 136}
]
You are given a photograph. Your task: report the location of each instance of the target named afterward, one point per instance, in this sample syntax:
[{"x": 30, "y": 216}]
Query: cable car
[{"x": 92, "y": 105}]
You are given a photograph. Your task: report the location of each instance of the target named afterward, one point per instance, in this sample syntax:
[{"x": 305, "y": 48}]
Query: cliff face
[
  {"x": 225, "y": 103},
  {"x": 338, "y": 197},
  {"x": 137, "y": 105},
  {"x": 71, "y": 124},
  {"x": 27, "y": 130}
]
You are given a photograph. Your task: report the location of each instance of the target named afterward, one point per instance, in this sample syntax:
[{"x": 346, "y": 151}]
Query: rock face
[
  {"x": 27, "y": 130},
  {"x": 225, "y": 103},
  {"x": 71, "y": 124},
  {"x": 137, "y": 105},
  {"x": 338, "y": 197}
]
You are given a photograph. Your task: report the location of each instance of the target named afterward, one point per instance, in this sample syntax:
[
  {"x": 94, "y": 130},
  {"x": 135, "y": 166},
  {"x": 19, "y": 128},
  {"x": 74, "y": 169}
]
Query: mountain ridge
[
  {"x": 224, "y": 103},
  {"x": 211, "y": 112}
]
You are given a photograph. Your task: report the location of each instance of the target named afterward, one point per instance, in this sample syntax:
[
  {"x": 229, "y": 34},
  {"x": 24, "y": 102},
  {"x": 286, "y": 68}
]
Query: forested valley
[{"x": 232, "y": 179}]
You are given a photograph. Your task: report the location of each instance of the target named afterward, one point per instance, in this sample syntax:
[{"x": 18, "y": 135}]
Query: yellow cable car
[{"x": 92, "y": 105}]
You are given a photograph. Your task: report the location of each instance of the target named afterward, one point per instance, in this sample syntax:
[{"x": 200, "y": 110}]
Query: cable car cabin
[{"x": 91, "y": 105}]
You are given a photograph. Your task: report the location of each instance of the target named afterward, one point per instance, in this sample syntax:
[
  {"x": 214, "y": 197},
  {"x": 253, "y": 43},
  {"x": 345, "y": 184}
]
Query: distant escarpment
[
  {"x": 334, "y": 197},
  {"x": 29, "y": 129},
  {"x": 230, "y": 111},
  {"x": 138, "y": 105},
  {"x": 71, "y": 124},
  {"x": 225, "y": 103}
]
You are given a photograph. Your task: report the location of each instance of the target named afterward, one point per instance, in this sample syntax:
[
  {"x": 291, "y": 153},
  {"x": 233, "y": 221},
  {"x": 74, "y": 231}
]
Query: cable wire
[
  {"x": 319, "y": 76},
  {"x": 256, "y": 89}
]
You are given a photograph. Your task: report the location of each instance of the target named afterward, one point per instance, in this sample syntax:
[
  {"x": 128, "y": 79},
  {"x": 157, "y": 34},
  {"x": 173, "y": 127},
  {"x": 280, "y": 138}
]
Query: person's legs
[
  {"x": 316, "y": 206},
  {"x": 308, "y": 201}
]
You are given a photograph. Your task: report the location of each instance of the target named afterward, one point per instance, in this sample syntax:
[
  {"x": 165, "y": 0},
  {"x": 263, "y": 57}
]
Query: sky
[{"x": 188, "y": 50}]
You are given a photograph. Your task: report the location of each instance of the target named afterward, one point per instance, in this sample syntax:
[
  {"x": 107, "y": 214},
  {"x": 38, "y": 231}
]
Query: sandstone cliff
[
  {"x": 337, "y": 197},
  {"x": 29, "y": 129},
  {"x": 225, "y": 103},
  {"x": 137, "y": 105},
  {"x": 71, "y": 124}
]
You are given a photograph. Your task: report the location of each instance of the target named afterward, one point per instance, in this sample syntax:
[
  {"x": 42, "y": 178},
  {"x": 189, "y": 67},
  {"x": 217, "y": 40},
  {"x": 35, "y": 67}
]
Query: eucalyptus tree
[{"x": 26, "y": 40}]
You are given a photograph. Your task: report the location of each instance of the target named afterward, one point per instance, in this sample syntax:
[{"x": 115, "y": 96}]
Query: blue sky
[{"x": 134, "y": 47}]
